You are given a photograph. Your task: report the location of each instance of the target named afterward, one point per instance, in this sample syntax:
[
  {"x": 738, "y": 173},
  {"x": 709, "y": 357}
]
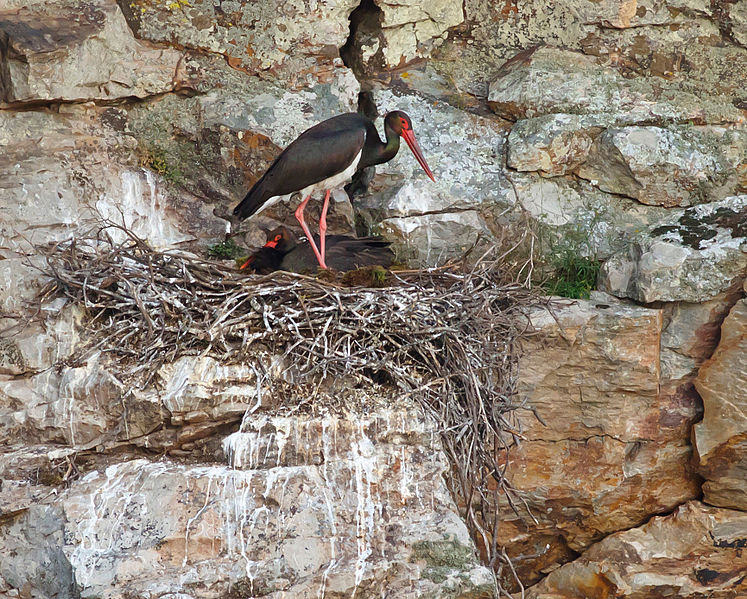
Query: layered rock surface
[
  {"x": 610, "y": 450},
  {"x": 720, "y": 437},
  {"x": 65, "y": 51},
  {"x": 298, "y": 509},
  {"x": 693, "y": 552}
]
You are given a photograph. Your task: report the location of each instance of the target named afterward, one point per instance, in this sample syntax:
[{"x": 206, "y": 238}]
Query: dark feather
[
  {"x": 337, "y": 140},
  {"x": 343, "y": 253}
]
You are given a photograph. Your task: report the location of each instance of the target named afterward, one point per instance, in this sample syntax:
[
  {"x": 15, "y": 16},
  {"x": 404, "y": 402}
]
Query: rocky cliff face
[{"x": 617, "y": 128}]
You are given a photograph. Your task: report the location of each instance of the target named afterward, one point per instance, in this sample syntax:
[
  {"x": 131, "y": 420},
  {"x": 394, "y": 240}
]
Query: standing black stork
[
  {"x": 283, "y": 252},
  {"x": 324, "y": 157}
]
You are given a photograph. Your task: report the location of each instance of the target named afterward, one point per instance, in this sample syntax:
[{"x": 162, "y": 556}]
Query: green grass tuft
[
  {"x": 574, "y": 275},
  {"x": 225, "y": 250}
]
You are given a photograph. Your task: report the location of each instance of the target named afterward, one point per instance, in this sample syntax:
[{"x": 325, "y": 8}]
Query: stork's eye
[
  {"x": 404, "y": 124},
  {"x": 278, "y": 237}
]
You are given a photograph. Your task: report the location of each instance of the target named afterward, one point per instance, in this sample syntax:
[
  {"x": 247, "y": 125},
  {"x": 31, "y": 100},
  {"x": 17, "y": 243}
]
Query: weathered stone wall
[{"x": 621, "y": 124}]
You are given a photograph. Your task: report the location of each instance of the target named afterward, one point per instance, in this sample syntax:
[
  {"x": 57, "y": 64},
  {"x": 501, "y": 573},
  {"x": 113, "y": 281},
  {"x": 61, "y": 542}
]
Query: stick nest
[{"x": 448, "y": 337}]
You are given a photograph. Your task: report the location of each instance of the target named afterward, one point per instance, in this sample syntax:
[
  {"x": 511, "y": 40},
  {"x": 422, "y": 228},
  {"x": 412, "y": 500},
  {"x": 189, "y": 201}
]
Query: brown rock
[
  {"x": 721, "y": 438},
  {"x": 695, "y": 552},
  {"x": 606, "y": 458}
]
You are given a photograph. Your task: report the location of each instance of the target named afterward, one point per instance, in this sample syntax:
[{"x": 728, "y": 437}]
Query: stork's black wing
[{"x": 317, "y": 154}]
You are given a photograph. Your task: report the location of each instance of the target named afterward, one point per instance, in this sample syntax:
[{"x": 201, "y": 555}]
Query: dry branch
[{"x": 448, "y": 337}]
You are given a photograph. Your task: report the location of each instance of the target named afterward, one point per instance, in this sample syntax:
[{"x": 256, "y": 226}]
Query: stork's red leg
[
  {"x": 323, "y": 224},
  {"x": 309, "y": 236}
]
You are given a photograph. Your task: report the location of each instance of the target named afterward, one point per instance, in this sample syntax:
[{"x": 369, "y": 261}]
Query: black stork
[
  {"x": 324, "y": 157},
  {"x": 283, "y": 252}
]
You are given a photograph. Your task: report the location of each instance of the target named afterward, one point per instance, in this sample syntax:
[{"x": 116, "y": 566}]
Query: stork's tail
[{"x": 252, "y": 201}]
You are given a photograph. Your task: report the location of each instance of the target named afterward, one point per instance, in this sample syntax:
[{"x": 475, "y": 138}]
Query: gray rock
[
  {"x": 31, "y": 556},
  {"x": 575, "y": 216},
  {"x": 549, "y": 80},
  {"x": 553, "y": 144},
  {"x": 293, "y": 43},
  {"x": 678, "y": 166},
  {"x": 45, "y": 57},
  {"x": 216, "y": 145},
  {"x": 432, "y": 239},
  {"x": 63, "y": 171},
  {"x": 412, "y": 29},
  {"x": 623, "y": 15},
  {"x": 692, "y": 256}
]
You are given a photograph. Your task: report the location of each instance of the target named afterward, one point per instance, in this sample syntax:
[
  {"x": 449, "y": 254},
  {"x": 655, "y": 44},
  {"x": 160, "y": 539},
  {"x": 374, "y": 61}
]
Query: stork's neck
[
  {"x": 391, "y": 147},
  {"x": 376, "y": 151}
]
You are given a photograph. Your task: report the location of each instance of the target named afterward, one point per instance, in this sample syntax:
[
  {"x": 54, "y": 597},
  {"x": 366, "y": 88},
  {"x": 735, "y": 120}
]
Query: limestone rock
[
  {"x": 693, "y": 54},
  {"x": 31, "y": 555},
  {"x": 553, "y": 144},
  {"x": 694, "y": 552},
  {"x": 721, "y": 438},
  {"x": 67, "y": 50},
  {"x": 216, "y": 145},
  {"x": 679, "y": 166},
  {"x": 610, "y": 453},
  {"x": 678, "y": 50},
  {"x": 195, "y": 389},
  {"x": 387, "y": 35},
  {"x": 29, "y": 348},
  {"x": 432, "y": 239},
  {"x": 296, "y": 43},
  {"x": 81, "y": 405},
  {"x": 549, "y": 80},
  {"x": 692, "y": 256},
  {"x": 299, "y": 509},
  {"x": 573, "y": 215},
  {"x": 63, "y": 171},
  {"x": 412, "y": 29}
]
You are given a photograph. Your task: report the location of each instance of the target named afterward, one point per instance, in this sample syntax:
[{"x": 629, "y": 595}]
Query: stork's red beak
[{"x": 409, "y": 137}]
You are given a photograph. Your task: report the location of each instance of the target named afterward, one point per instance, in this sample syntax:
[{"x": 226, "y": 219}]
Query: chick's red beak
[
  {"x": 247, "y": 263},
  {"x": 409, "y": 138}
]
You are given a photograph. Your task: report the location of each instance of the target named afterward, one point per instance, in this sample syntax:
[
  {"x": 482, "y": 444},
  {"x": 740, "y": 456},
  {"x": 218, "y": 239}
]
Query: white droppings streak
[
  {"x": 364, "y": 462},
  {"x": 141, "y": 209}
]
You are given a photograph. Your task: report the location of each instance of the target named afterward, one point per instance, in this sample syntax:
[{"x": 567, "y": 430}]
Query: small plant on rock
[{"x": 225, "y": 250}]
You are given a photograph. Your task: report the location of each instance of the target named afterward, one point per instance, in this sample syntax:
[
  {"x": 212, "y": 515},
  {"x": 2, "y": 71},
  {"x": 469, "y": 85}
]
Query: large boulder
[
  {"x": 68, "y": 50},
  {"x": 610, "y": 451},
  {"x": 677, "y": 166},
  {"x": 692, "y": 255}
]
